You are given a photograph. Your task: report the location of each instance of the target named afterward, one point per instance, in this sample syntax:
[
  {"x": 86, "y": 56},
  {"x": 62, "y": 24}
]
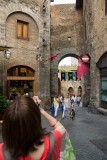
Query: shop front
[{"x": 21, "y": 80}]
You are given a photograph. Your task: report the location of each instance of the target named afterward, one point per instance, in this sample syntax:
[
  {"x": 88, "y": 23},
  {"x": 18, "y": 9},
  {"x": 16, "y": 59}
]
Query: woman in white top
[
  {"x": 67, "y": 106},
  {"x": 56, "y": 104}
]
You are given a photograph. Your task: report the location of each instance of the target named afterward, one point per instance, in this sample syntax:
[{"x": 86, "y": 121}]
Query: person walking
[
  {"x": 78, "y": 100},
  {"x": 23, "y": 135},
  {"x": 56, "y": 104},
  {"x": 67, "y": 106}
]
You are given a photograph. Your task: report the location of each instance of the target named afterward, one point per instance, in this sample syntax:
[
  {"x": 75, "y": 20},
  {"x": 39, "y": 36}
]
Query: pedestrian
[
  {"x": 73, "y": 100},
  {"x": 78, "y": 100},
  {"x": 13, "y": 95},
  {"x": 56, "y": 104},
  {"x": 61, "y": 99},
  {"x": 23, "y": 135},
  {"x": 52, "y": 107},
  {"x": 67, "y": 106}
]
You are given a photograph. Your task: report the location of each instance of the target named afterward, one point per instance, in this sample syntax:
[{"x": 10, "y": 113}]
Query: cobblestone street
[{"x": 88, "y": 133}]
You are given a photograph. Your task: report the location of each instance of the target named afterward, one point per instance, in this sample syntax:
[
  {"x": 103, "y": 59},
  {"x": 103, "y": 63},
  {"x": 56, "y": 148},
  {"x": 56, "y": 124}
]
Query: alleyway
[{"x": 88, "y": 133}]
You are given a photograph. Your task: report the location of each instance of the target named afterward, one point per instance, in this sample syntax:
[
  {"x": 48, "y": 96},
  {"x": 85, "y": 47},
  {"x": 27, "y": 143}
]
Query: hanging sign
[{"x": 85, "y": 58}]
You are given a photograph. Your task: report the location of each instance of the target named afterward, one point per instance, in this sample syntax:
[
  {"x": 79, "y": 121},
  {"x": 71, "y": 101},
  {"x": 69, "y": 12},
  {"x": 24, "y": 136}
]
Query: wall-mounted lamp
[
  {"x": 44, "y": 42},
  {"x": 69, "y": 39},
  {"x": 39, "y": 57},
  {"x": 7, "y": 54}
]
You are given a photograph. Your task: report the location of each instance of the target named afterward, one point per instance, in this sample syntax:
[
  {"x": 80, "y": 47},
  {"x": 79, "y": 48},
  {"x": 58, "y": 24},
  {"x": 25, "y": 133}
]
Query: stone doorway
[
  {"x": 20, "y": 79},
  {"x": 102, "y": 65}
]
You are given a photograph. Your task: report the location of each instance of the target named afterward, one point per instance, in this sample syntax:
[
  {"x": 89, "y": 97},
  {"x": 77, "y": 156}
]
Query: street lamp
[
  {"x": 7, "y": 54},
  {"x": 39, "y": 57},
  {"x": 69, "y": 42}
]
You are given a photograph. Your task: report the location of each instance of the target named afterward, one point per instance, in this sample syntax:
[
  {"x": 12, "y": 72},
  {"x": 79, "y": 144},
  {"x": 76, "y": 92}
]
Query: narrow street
[{"x": 88, "y": 133}]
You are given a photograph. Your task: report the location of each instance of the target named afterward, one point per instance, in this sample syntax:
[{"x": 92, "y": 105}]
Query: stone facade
[
  {"x": 66, "y": 84},
  {"x": 86, "y": 28},
  {"x": 25, "y": 52},
  {"x": 65, "y": 22},
  {"x": 95, "y": 33}
]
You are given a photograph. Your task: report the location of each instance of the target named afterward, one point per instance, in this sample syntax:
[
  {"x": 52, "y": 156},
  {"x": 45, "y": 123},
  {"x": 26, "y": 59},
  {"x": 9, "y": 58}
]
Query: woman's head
[
  {"x": 22, "y": 126},
  {"x": 67, "y": 96}
]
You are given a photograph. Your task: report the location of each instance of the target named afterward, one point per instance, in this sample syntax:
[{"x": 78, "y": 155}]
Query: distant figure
[
  {"x": 73, "y": 100},
  {"x": 56, "y": 104},
  {"x": 67, "y": 106},
  {"x": 13, "y": 95},
  {"x": 78, "y": 100}
]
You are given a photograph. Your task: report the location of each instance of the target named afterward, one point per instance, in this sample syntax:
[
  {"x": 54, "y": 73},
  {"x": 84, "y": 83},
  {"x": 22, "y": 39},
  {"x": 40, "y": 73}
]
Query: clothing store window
[{"x": 22, "y": 30}]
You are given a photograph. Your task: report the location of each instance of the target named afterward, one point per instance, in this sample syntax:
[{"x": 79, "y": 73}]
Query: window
[
  {"x": 105, "y": 7},
  {"x": 22, "y": 29}
]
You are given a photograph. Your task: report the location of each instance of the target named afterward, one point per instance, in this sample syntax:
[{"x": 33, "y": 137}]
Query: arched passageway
[{"x": 67, "y": 73}]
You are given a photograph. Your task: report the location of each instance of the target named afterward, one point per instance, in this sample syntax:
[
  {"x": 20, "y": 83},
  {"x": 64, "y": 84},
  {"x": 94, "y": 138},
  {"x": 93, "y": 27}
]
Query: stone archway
[{"x": 65, "y": 52}]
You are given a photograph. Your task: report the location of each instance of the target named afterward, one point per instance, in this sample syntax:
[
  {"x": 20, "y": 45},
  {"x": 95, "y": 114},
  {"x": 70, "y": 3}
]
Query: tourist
[
  {"x": 23, "y": 135},
  {"x": 67, "y": 106},
  {"x": 56, "y": 104}
]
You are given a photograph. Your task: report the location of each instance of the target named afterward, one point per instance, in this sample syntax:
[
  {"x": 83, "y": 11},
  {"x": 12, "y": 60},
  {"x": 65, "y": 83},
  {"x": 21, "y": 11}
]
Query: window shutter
[
  {"x": 25, "y": 31},
  {"x": 19, "y": 30}
]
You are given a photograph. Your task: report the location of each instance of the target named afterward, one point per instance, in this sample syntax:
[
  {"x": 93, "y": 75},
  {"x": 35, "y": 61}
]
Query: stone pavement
[{"x": 88, "y": 133}]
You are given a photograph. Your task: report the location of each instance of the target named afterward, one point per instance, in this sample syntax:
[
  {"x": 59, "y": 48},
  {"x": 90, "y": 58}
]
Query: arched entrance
[
  {"x": 102, "y": 65},
  {"x": 21, "y": 80},
  {"x": 67, "y": 73}
]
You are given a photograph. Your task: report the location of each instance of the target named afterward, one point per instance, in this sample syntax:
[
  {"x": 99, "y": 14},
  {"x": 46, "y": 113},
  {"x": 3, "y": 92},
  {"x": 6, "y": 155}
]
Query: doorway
[{"x": 20, "y": 79}]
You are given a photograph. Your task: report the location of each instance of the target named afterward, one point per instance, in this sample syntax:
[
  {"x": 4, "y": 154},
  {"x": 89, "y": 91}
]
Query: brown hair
[{"x": 22, "y": 128}]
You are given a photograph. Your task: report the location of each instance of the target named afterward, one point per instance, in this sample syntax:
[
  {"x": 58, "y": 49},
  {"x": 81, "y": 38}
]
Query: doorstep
[{"x": 102, "y": 110}]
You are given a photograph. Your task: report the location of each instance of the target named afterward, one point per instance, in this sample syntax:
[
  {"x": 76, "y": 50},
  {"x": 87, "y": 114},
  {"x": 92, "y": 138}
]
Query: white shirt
[{"x": 67, "y": 103}]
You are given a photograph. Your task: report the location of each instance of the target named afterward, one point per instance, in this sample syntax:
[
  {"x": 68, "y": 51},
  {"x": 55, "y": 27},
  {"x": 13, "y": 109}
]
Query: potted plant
[{"x": 4, "y": 102}]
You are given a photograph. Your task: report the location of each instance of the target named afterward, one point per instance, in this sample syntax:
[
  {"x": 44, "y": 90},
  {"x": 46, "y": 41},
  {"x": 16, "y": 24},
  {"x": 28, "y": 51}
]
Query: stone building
[
  {"x": 66, "y": 38},
  {"x": 69, "y": 83},
  {"x": 25, "y": 32},
  {"x": 75, "y": 30},
  {"x": 95, "y": 34}
]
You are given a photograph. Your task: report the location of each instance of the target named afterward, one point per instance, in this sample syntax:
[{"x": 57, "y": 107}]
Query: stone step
[{"x": 102, "y": 110}]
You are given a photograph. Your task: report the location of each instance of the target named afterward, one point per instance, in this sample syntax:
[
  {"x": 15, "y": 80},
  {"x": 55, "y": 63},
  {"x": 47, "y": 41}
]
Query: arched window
[
  {"x": 80, "y": 91},
  {"x": 70, "y": 90},
  {"x": 20, "y": 71}
]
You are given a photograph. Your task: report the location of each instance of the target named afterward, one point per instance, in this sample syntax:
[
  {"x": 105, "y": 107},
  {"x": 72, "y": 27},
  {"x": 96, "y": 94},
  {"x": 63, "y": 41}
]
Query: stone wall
[
  {"x": 65, "y": 22},
  {"x": 95, "y": 28},
  {"x": 37, "y": 14}
]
